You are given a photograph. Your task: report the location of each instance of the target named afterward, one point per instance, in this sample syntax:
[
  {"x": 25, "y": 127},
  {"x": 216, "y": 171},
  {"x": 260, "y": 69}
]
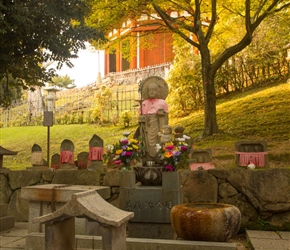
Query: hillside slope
[{"x": 256, "y": 114}]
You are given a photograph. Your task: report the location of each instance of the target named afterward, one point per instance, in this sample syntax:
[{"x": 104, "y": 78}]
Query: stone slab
[
  {"x": 59, "y": 192},
  {"x": 150, "y": 230},
  {"x": 35, "y": 241},
  {"x": 5, "y": 241},
  {"x": 268, "y": 240}
]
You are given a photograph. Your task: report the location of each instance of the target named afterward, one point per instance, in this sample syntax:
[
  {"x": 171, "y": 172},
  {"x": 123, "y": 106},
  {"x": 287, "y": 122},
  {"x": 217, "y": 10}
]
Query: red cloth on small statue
[
  {"x": 96, "y": 154},
  {"x": 257, "y": 158},
  {"x": 67, "y": 156}
]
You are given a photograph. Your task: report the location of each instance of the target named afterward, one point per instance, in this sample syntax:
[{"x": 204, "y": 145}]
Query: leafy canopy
[
  {"x": 33, "y": 33},
  {"x": 219, "y": 29}
]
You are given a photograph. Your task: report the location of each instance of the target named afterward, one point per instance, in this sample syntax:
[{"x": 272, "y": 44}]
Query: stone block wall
[{"x": 263, "y": 196}]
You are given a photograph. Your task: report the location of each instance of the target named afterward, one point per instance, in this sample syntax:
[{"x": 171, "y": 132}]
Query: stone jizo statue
[{"x": 153, "y": 114}]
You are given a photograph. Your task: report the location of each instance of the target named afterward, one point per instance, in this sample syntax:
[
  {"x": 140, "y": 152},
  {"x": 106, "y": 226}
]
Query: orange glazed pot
[{"x": 205, "y": 221}]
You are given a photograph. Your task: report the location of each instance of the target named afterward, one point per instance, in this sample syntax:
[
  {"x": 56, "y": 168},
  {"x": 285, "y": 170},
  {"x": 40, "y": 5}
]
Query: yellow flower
[
  {"x": 129, "y": 148},
  {"x": 119, "y": 151},
  {"x": 168, "y": 154},
  {"x": 135, "y": 146},
  {"x": 134, "y": 141}
]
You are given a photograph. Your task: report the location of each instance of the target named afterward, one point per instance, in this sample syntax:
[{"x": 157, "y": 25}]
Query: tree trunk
[{"x": 210, "y": 121}]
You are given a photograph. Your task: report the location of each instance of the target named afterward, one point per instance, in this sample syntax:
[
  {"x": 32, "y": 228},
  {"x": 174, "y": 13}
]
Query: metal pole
[{"x": 48, "y": 144}]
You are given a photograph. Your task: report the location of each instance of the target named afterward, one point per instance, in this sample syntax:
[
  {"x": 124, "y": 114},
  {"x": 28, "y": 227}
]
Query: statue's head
[
  {"x": 167, "y": 130},
  {"x": 154, "y": 87},
  {"x": 152, "y": 90}
]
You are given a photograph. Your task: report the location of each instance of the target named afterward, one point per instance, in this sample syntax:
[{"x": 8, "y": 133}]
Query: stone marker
[
  {"x": 96, "y": 145},
  {"x": 67, "y": 154},
  {"x": 37, "y": 161},
  {"x": 36, "y": 155},
  {"x": 251, "y": 152},
  {"x": 201, "y": 159},
  {"x": 82, "y": 160},
  {"x": 55, "y": 161}
]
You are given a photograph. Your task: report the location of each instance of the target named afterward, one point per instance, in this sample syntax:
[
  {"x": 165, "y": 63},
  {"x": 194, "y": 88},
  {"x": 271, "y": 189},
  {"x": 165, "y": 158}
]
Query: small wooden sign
[{"x": 48, "y": 118}]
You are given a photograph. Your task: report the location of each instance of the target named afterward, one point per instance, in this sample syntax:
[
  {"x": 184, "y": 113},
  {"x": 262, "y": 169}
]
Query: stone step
[
  {"x": 6, "y": 223},
  {"x": 35, "y": 241}
]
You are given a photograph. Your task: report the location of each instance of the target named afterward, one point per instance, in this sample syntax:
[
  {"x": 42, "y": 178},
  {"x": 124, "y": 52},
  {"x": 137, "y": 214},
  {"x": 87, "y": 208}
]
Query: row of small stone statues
[
  {"x": 93, "y": 160},
  {"x": 65, "y": 160}
]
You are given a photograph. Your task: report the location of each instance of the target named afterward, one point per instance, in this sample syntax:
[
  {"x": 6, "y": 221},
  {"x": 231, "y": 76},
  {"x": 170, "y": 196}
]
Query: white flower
[
  {"x": 186, "y": 137},
  {"x": 127, "y": 133},
  {"x": 181, "y": 139},
  {"x": 110, "y": 147},
  {"x": 158, "y": 147},
  {"x": 116, "y": 157}
]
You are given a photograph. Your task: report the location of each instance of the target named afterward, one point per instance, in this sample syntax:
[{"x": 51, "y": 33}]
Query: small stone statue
[{"x": 165, "y": 134}]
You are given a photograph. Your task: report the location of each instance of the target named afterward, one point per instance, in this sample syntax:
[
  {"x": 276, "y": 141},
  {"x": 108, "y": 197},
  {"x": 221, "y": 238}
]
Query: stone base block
[
  {"x": 150, "y": 230},
  {"x": 35, "y": 241},
  {"x": 6, "y": 223}
]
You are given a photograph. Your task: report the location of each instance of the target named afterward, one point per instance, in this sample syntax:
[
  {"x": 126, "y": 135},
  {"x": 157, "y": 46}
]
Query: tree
[
  {"x": 35, "y": 32},
  {"x": 218, "y": 29},
  {"x": 63, "y": 82}
]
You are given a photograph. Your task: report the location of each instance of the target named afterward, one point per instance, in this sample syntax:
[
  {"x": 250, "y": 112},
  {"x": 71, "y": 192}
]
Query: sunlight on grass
[{"x": 260, "y": 114}]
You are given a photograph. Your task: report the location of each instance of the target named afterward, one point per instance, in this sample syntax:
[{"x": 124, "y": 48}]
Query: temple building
[{"x": 143, "y": 51}]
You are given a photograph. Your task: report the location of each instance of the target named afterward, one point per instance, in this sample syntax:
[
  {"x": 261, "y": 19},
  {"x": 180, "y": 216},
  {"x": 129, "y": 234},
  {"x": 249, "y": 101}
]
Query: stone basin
[{"x": 205, "y": 221}]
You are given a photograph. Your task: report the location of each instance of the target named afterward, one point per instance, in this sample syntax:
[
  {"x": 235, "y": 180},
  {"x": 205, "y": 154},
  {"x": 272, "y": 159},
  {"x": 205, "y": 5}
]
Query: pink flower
[
  {"x": 128, "y": 153},
  {"x": 117, "y": 162},
  {"x": 124, "y": 142},
  {"x": 170, "y": 147},
  {"x": 169, "y": 168},
  {"x": 183, "y": 148}
]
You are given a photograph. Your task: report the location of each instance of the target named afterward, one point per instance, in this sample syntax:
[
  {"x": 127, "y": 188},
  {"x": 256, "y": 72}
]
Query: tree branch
[
  {"x": 168, "y": 22},
  {"x": 212, "y": 21}
]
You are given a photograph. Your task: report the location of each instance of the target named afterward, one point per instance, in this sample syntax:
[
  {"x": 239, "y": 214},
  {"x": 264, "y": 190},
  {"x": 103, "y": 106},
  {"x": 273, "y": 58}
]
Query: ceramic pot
[{"x": 205, "y": 221}]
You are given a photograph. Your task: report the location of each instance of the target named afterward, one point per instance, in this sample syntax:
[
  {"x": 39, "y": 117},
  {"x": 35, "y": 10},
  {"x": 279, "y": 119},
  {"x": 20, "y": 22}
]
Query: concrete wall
[{"x": 263, "y": 196}]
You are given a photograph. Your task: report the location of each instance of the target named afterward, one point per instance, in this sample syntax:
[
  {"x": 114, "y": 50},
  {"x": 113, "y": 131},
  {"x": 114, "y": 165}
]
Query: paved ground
[
  {"x": 14, "y": 239},
  {"x": 269, "y": 240}
]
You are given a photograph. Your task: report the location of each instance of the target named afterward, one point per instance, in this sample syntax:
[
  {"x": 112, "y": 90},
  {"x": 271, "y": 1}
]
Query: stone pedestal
[{"x": 151, "y": 204}]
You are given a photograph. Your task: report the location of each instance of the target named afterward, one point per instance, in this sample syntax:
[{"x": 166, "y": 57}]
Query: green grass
[{"x": 256, "y": 114}]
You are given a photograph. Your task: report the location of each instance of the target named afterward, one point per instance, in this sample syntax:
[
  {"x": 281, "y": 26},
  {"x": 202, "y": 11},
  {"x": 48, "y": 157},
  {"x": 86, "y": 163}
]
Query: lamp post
[{"x": 48, "y": 114}]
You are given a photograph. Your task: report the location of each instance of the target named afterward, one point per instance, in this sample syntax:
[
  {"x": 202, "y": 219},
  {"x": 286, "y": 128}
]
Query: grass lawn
[{"x": 256, "y": 114}]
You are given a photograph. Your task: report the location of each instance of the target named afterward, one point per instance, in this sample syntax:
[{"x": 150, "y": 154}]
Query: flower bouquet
[
  {"x": 173, "y": 155},
  {"x": 123, "y": 154}
]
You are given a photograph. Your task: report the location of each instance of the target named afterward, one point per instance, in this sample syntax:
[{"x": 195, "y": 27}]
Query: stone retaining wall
[{"x": 263, "y": 196}]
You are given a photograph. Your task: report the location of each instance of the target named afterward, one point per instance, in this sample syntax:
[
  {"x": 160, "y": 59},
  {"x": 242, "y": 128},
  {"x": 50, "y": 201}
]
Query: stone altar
[{"x": 151, "y": 205}]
